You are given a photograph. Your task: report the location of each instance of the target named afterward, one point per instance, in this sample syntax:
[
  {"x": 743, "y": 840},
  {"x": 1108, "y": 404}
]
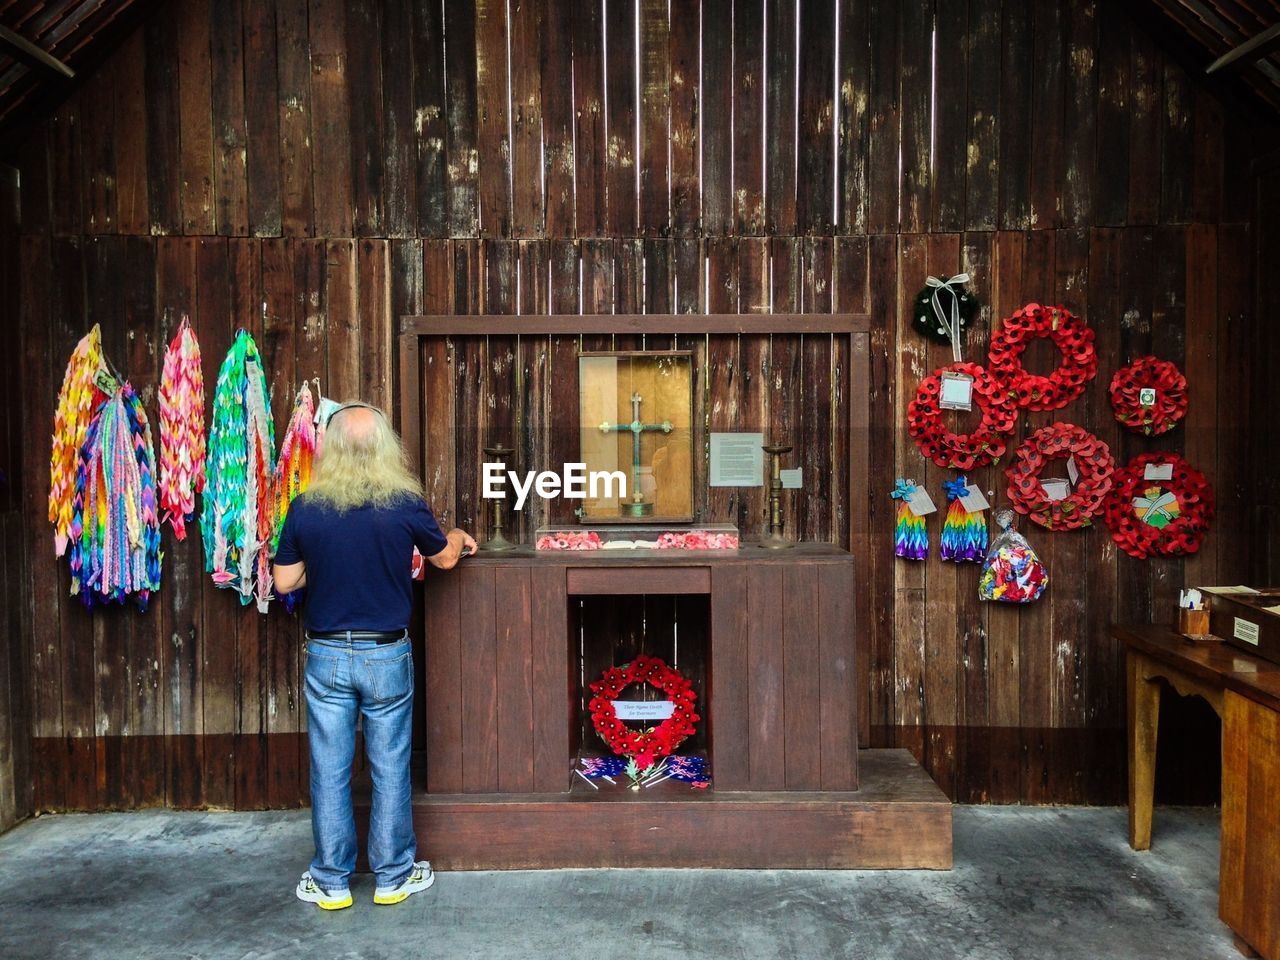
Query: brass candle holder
[
  {"x": 498, "y": 453},
  {"x": 775, "y": 540}
]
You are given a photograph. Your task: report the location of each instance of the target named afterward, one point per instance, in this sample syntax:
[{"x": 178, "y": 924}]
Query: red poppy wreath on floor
[
  {"x": 1060, "y": 441},
  {"x": 1073, "y": 338},
  {"x": 1159, "y": 517},
  {"x": 1149, "y": 395},
  {"x": 961, "y": 451},
  {"x": 644, "y": 745}
]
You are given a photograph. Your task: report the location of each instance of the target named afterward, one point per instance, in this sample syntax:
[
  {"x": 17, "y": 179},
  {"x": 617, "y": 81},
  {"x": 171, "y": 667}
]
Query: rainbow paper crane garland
[
  {"x": 115, "y": 527},
  {"x": 964, "y": 534},
  {"x": 293, "y": 469},
  {"x": 911, "y": 541},
  {"x": 181, "y": 430},
  {"x": 297, "y": 456},
  {"x": 236, "y": 519},
  {"x": 78, "y": 400}
]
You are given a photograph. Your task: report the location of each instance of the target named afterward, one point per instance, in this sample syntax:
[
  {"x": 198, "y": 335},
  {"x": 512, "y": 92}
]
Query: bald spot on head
[{"x": 357, "y": 425}]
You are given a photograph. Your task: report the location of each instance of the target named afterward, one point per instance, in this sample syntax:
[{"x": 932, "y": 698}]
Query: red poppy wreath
[
  {"x": 1149, "y": 395},
  {"x": 961, "y": 451},
  {"x": 1071, "y": 335},
  {"x": 1159, "y": 517},
  {"x": 1059, "y": 441},
  {"x": 644, "y": 745}
]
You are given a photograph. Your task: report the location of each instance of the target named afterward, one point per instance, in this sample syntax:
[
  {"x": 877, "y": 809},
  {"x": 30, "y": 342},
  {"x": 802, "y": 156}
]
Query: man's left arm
[{"x": 288, "y": 571}]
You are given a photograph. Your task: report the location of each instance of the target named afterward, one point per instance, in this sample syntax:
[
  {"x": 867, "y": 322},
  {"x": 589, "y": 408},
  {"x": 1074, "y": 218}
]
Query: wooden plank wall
[
  {"x": 15, "y": 710},
  {"x": 313, "y": 169}
]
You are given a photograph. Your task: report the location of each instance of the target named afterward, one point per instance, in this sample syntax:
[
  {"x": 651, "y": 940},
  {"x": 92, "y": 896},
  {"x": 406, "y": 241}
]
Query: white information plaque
[{"x": 737, "y": 460}]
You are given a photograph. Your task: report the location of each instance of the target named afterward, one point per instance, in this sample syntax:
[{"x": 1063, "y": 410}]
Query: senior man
[{"x": 349, "y": 540}]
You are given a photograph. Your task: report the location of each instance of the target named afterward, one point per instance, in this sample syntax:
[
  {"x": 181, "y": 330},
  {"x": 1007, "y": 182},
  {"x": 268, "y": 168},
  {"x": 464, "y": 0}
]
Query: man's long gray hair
[{"x": 361, "y": 463}]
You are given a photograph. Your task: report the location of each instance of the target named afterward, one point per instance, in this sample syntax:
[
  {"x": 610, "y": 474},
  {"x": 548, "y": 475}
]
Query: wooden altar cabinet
[{"x": 768, "y": 638}]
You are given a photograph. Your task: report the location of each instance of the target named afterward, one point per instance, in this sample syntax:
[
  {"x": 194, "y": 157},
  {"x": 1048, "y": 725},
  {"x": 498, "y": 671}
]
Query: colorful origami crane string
[
  {"x": 911, "y": 541},
  {"x": 115, "y": 525},
  {"x": 236, "y": 520},
  {"x": 181, "y": 430},
  {"x": 964, "y": 534},
  {"x": 293, "y": 469},
  {"x": 78, "y": 400}
]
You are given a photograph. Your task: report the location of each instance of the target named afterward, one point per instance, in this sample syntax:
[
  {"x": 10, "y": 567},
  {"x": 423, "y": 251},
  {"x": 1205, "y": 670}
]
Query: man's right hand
[{"x": 461, "y": 544}]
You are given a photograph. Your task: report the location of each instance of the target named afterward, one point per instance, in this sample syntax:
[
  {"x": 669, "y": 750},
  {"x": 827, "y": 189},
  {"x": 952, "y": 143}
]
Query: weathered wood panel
[{"x": 315, "y": 170}]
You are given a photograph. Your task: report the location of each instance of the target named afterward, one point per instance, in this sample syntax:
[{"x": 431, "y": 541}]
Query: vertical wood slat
[
  {"x": 195, "y": 117},
  {"x": 802, "y": 669},
  {"x": 444, "y": 613},
  {"x": 331, "y": 172},
  {"x": 838, "y": 652},
  {"x": 513, "y": 623},
  {"x": 230, "y": 133},
  {"x": 780, "y": 113},
  {"x": 718, "y": 106},
  {"x": 729, "y": 695},
  {"x": 477, "y": 598},
  {"x": 551, "y": 670},
  {"x": 813, "y": 185},
  {"x": 766, "y": 705},
  {"x": 492, "y": 139},
  {"x": 293, "y": 83}
]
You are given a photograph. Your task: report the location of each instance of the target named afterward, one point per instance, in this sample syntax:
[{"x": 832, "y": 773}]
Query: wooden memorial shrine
[{"x": 766, "y": 638}]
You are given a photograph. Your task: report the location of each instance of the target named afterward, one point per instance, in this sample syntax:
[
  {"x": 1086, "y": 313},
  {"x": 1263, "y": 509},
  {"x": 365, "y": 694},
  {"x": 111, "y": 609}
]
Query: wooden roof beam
[
  {"x": 1250, "y": 51},
  {"x": 27, "y": 52}
]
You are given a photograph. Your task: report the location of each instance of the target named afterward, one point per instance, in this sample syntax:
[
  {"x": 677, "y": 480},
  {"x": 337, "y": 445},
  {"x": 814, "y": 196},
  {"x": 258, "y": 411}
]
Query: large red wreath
[
  {"x": 644, "y": 745},
  {"x": 1168, "y": 385},
  {"x": 960, "y": 450},
  {"x": 1071, "y": 335},
  {"x": 1167, "y": 532},
  {"x": 1059, "y": 441}
]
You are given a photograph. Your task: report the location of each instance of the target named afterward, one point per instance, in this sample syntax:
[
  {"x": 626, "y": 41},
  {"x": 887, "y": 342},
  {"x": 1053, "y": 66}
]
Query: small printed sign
[
  {"x": 921, "y": 503},
  {"x": 1158, "y": 471},
  {"x": 1055, "y": 490},
  {"x": 792, "y": 479},
  {"x": 973, "y": 500},
  {"x": 737, "y": 460},
  {"x": 956, "y": 392},
  {"x": 1245, "y": 630},
  {"x": 644, "y": 709}
]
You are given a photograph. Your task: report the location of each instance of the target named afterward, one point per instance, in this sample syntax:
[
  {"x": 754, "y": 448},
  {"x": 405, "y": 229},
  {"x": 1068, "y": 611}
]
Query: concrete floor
[{"x": 1028, "y": 883}]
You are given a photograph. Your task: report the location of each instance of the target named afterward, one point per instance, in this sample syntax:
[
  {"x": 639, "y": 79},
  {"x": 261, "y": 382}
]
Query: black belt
[{"x": 377, "y": 636}]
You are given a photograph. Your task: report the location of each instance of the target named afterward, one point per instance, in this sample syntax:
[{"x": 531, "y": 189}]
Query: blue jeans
[{"x": 343, "y": 678}]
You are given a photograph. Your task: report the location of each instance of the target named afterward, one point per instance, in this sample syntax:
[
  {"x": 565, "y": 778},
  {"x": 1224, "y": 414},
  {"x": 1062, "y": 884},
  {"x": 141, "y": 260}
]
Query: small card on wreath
[
  {"x": 1147, "y": 396},
  {"x": 1056, "y": 489},
  {"x": 1158, "y": 471},
  {"x": 973, "y": 500},
  {"x": 956, "y": 392},
  {"x": 921, "y": 503}
]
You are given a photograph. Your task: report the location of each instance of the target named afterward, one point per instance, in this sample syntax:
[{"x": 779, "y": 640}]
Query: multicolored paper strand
[
  {"x": 78, "y": 400},
  {"x": 236, "y": 521},
  {"x": 964, "y": 534},
  {"x": 911, "y": 541},
  {"x": 115, "y": 526},
  {"x": 181, "y": 430},
  {"x": 293, "y": 470}
]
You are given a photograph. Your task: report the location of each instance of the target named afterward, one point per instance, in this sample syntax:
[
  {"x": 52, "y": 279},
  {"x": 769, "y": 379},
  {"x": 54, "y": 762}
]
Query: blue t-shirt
[{"x": 359, "y": 562}]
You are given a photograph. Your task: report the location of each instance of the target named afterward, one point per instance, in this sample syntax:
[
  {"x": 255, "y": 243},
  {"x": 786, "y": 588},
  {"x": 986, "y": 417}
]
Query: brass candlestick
[
  {"x": 497, "y": 542},
  {"x": 775, "y": 540}
]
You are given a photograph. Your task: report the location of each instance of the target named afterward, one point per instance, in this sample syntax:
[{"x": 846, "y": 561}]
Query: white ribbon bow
[{"x": 952, "y": 323}]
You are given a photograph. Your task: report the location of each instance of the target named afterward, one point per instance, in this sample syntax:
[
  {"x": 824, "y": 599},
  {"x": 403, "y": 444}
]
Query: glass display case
[{"x": 635, "y": 412}]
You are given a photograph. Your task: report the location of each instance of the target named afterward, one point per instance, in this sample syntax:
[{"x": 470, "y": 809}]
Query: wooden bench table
[{"x": 1245, "y": 692}]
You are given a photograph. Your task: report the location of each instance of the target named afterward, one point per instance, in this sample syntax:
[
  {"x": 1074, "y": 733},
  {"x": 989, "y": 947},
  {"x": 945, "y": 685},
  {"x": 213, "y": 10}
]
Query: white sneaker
[
  {"x": 419, "y": 878},
  {"x": 310, "y": 893}
]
